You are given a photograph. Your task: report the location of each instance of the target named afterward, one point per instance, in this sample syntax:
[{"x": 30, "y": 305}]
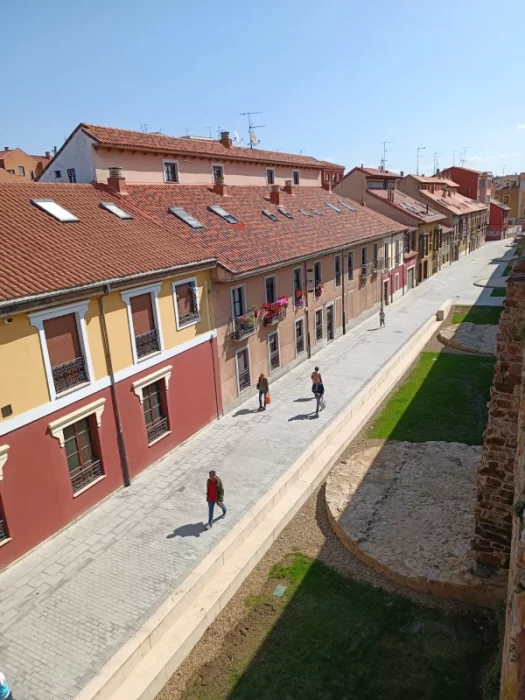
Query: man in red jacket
[{"x": 214, "y": 495}]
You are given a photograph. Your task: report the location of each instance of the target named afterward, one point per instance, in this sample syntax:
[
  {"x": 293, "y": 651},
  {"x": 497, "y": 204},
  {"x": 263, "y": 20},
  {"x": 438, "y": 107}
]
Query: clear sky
[{"x": 332, "y": 79}]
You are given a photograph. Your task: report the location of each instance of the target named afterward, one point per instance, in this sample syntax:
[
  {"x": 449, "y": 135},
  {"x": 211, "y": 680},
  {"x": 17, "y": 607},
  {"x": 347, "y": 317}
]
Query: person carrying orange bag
[{"x": 264, "y": 392}]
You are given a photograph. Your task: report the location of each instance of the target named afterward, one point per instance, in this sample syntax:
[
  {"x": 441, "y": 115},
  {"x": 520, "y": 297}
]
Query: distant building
[
  {"x": 471, "y": 183},
  {"x": 510, "y": 190},
  {"x": 16, "y": 165},
  {"x": 498, "y": 227}
]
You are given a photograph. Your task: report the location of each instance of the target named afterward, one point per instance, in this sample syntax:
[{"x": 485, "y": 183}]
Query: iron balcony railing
[
  {"x": 367, "y": 269},
  {"x": 189, "y": 318},
  {"x": 273, "y": 319},
  {"x": 147, "y": 343},
  {"x": 84, "y": 475},
  {"x": 387, "y": 263},
  {"x": 157, "y": 428},
  {"x": 69, "y": 374},
  {"x": 243, "y": 326},
  {"x": 275, "y": 360},
  {"x": 3, "y": 530},
  {"x": 379, "y": 265},
  {"x": 397, "y": 260}
]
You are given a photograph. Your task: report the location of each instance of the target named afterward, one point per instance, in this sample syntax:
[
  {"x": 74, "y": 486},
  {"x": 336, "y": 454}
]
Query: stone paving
[
  {"x": 471, "y": 337},
  {"x": 67, "y": 607}
]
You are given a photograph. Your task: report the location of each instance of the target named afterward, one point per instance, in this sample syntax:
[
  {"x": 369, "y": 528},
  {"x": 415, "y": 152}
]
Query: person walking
[
  {"x": 262, "y": 386},
  {"x": 382, "y": 318},
  {"x": 5, "y": 693},
  {"x": 316, "y": 379},
  {"x": 319, "y": 398},
  {"x": 214, "y": 495}
]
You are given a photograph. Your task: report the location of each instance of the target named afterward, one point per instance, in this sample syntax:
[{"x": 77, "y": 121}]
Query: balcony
[
  {"x": 147, "y": 343},
  {"x": 3, "y": 530},
  {"x": 367, "y": 269},
  {"x": 409, "y": 254},
  {"x": 379, "y": 265},
  {"x": 156, "y": 429},
  {"x": 244, "y": 325},
  {"x": 397, "y": 260},
  {"x": 298, "y": 300},
  {"x": 318, "y": 289},
  {"x": 69, "y": 374},
  {"x": 275, "y": 311},
  {"x": 85, "y": 474}
]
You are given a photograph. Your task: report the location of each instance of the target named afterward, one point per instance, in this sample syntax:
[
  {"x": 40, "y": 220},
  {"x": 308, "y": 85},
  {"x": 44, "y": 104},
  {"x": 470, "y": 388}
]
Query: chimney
[
  {"x": 225, "y": 139},
  {"x": 116, "y": 180},
  {"x": 288, "y": 187},
  {"x": 6, "y": 148},
  {"x": 48, "y": 154},
  {"x": 390, "y": 195},
  {"x": 427, "y": 208},
  {"x": 275, "y": 195},
  {"x": 219, "y": 187},
  {"x": 327, "y": 186},
  {"x": 54, "y": 150},
  {"x": 362, "y": 165},
  {"x": 363, "y": 203},
  {"x": 437, "y": 171},
  {"x": 402, "y": 173}
]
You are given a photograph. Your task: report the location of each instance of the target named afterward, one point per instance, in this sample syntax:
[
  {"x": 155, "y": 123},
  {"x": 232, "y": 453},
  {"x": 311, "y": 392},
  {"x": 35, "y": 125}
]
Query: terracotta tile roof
[
  {"x": 41, "y": 255},
  {"x": 259, "y": 242},
  {"x": 124, "y": 138},
  {"x": 10, "y": 177},
  {"x": 408, "y": 205},
  {"x": 457, "y": 204},
  {"x": 500, "y": 205},
  {"x": 435, "y": 180},
  {"x": 376, "y": 172}
]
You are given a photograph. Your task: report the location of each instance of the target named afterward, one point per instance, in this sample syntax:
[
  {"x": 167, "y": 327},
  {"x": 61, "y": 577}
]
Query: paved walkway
[{"x": 71, "y": 604}]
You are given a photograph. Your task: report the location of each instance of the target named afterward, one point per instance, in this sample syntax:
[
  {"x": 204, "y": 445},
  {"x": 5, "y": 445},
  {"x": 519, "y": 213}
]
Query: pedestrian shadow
[
  {"x": 189, "y": 530},
  {"x": 371, "y": 330},
  {"x": 245, "y": 412},
  {"x": 301, "y": 416},
  {"x": 309, "y": 398}
]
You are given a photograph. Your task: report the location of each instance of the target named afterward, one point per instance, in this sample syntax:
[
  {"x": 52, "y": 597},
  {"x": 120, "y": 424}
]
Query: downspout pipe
[{"x": 120, "y": 435}]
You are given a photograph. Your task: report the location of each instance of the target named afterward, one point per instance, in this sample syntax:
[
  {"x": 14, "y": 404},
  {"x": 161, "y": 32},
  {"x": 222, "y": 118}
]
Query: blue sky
[{"x": 332, "y": 79}]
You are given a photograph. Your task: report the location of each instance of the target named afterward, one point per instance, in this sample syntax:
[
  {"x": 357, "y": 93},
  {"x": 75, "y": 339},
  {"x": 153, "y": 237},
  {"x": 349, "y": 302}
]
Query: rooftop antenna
[
  {"x": 436, "y": 162},
  {"x": 251, "y": 126},
  {"x": 385, "y": 151},
  {"x": 453, "y": 157},
  {"x": 209, "y": 130},
  {"x": 504, "y": 168},
  {"x": 463, "y": 158},
  {"x": 219, "y": 129},
  {"x": 187, "y": 131},
  {"x": 419, "y": 148},
  {"x": 144, "y": 127}
]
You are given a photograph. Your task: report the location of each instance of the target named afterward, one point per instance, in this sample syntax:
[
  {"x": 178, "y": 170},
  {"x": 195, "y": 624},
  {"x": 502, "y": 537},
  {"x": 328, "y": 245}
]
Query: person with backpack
[{"x": 214, "y": 495}]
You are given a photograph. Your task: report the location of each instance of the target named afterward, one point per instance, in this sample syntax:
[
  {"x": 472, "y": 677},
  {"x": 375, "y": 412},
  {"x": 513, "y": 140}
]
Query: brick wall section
[{"x": 495, "y": 489}]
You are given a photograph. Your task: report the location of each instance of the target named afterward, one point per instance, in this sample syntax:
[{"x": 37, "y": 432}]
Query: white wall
[{"x": 78, "y": 154}]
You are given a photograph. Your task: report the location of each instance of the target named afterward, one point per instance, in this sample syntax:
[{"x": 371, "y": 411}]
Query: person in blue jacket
[{"x": 5, "y": 693}]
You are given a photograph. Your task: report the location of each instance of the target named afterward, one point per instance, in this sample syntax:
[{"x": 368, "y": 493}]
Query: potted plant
[
  {"x": 275, "y": 311},
  {"x": 299, "y": 298},
  {"x": 318, "y": 289}
]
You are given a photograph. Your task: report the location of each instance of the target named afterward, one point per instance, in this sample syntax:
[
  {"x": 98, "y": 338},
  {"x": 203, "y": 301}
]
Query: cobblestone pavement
[{"x": 67, "y": 607}]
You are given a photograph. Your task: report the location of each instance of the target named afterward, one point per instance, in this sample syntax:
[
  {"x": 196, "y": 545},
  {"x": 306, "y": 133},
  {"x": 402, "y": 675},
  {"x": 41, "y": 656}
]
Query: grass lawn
[
  {"x": 444, "y": 398},
  {"x": 477, "y": 314},
  {"x": 507, "y": 270},
  {"x": 332, "y": 638},
  {"x": 499, "y": 292}
]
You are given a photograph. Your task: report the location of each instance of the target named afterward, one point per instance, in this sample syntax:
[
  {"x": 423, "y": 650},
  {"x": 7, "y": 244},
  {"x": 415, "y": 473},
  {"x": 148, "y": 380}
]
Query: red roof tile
[
  {"x": 376, "y": 172},
  {"x": 41, "y": 255},
  {"x": 264, "y": 243},
  {"x": 457, "y": 204},
  {"x": 124, "y": 138},
  {"x": 434, "y": 180},
  {"x": 408, "y": 205}
]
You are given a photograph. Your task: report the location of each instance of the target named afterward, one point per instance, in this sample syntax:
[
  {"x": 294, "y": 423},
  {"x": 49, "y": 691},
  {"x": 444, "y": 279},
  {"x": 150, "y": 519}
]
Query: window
[
  {"x": 505, "y": 199},
  {"x": 346, "y": 206},
  {"x": 21, "y": 170},
  {"x": 154, "y": 412},
  {"x": 31, "y": 175},
  {"x": 65, "y": 356},
  {"x": 58, "y": 174},
  {"x": 332, "y": 206},
  {"x": 111, "y": 207},
  {"x": 270, "y": 289},
  {"x": 83, "y": 459},
  {"x": 243, "y": 369},
  {"x": 337, "y": 265},
  {"x": 285, "y": 212},
  {"x": 217, "y": 172},
  {"x": 4, "y": 532},
  {"x": 319, "y": 324},
  {"x": 297, "y": 274},
  {"x": 144, "y": 321},
  {"x": 398, "y": 253},
  {"x": 270, "y": 176},
  {"x": 316, "y": 211},
  {"x": 216, "y": 209},
  {"x": 238, "y": 301},
  {"x": 273, "y": 351},
  {"x": 350, "y": 267},
  {"x": 375, "y": 252},
  {"x": 396, "y": 282},
  {"x": 304, "y": 212},
  {"x": 11, "y": 172},
  {"x": 387, "y": 256},
  {"x": 71, "y": 174},
  {"x": 296, "y": 177},
  {"x": 171, "y": 171},
  {"x": 183, "y": 215},
  {"x": 186, "y": 302},
  {"x": 299, "y": 336},
  {"x": 270, "y": 215},
  {"x": 375, "y": 185},
  {"x": 55, "y": 210},
  {"x": 363, "y": 255}
]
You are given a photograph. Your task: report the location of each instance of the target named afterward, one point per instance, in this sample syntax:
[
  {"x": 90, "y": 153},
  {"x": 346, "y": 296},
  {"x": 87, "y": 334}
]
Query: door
[
  {"x": 385, "y": 293},
  {"x": 330, "y": 325},
  {"x": 243, "y": 369},
  {"x": 411, "y": 278}
]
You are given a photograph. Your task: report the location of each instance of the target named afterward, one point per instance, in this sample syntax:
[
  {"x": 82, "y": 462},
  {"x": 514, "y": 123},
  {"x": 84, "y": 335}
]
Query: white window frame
[
  {"x": 314, "y": 263},
  {"x": 141, "y": 384},
  {"x": 278, "y": 334},
  {"x": 299, "y": 320},
  {"x": 170, "y": 162},
  {"x": 188, "y": 280},
  {"x": 273, "y": 171},
  {"x": 327, "y": 306},
  {"x": 238, "y": 286},
  {"x": 298, "y": 173},
  {"x": 37, "y": 320},
  {"x": 300, "y": 268},
  {"x": 338, "y": 286},
  {"x": 4, "y": 449},
  {"x": 57, "y": 427},
  {"x": 275, "y": 288},
  {"x": 319, "y": 310},
  {"x": 397, "y": 281},
  {"x": 347, "y": 255},
  {"x": 239, "y": 350},
  {"x": 154, "y": 290},
  {"x": 217, "y": 165}
]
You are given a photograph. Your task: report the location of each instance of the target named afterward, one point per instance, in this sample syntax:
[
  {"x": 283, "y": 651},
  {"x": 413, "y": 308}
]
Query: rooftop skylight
[
  {"x": 112, "y": 207},
  {"x": 285, "y": 212},
  {"x": 304, "y": 212},
  {"x": 332, "y": 206},
  {"x": 216, "y": 209},
  {"x": 183, "y": 215},
  {"x": 55, "y": 210},
  {"x": 270, "y": 214},
  {"x": 316, "y": 211},
  {"x": 347, "y": 206}
]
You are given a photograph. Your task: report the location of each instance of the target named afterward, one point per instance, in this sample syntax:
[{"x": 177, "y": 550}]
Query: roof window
[
  {"x": 270, "y": 215},
  {"x": 347, "y": 206},
  {"x": 111, "y": 207},
  {"x": 183, "y": 215},
  {"x": 216, "y": 209},
  {"x": 285, "y": 212},
  {"x": 316, "y": 211},
  {"x": 55, "y": 210},
  {"x": 332, "y": 206},
  {"x": 304, "y": 212}
]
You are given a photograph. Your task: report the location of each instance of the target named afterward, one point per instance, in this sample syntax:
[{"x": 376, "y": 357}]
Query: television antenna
[
  {"x": 252, "y": 139},
  {"x": 463, "y": 157},
  {"x": 419, "y": 148},
  {"x": 209, "y": 130},
  {"x": 144, "y": 127},
  {"x": 385, "y": 151},
  {"x": 436, "y": 162}
]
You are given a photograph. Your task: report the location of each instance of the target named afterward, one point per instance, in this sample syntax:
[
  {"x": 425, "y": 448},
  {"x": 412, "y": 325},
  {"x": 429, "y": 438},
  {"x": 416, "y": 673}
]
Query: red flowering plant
[
  {"x": 299, "y": 298},
  {"x": 318, "y": 289},
  {"x": 275, "y": 311}
]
